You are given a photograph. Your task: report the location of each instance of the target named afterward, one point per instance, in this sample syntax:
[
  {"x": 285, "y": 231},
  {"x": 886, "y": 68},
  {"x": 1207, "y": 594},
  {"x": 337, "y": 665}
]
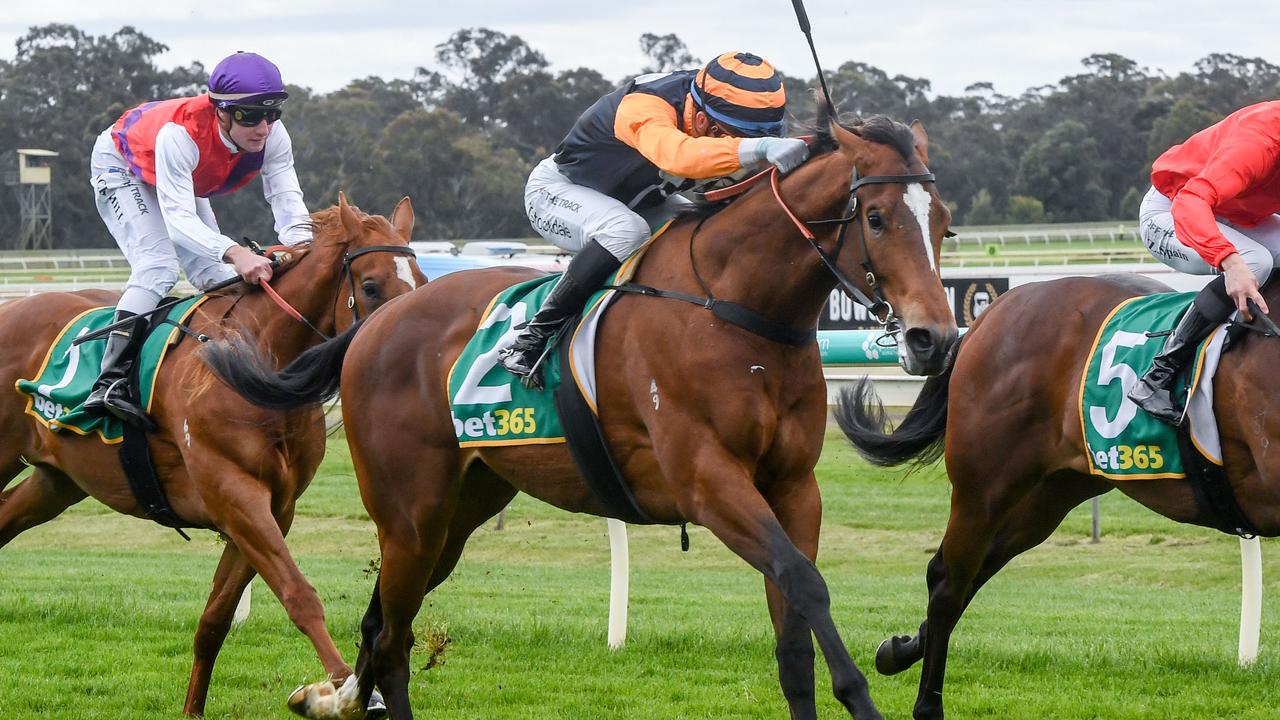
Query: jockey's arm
[
  {"x": 176, "y": 160},
  {"x": 281, "y": 189},
  {"x": 1232, "y": 169},
  {"x": 648, "y": 124}
]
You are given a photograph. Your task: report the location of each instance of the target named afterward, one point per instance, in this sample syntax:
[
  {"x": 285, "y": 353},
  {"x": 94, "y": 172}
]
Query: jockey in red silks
[
  {"x": 622, "y": 163},
  {"x": 153, "y": 173},
  {"x": 1212, "y": 210}
]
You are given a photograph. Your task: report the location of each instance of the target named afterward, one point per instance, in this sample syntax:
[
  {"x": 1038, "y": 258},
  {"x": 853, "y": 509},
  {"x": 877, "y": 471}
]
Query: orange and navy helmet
[{"x": 742, "y": 91}]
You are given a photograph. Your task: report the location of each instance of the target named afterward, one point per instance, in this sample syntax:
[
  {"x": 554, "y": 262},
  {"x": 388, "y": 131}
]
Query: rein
[{"x": 347, "y": 258}]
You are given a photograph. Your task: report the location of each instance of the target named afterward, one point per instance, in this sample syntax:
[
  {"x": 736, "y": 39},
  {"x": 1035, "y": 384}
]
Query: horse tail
[
  {"x": 918, "y": 438},
  {"x": 312, "y": 378}
]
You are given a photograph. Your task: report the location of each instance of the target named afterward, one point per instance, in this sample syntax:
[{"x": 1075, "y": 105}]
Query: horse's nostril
[{"x": 920, "y": 340}]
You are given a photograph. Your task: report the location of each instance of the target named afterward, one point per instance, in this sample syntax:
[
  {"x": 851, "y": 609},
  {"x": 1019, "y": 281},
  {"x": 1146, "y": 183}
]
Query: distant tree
[
  {"x": 1131, "y": 201},
  {"x": 1064, "y": 170},
  {"x": 981, "y": 211},
  {"x": 488, "y": 63},
  {"x": 462, "y": 184},
  {"x": 1025, "y": 210},
  {"x": 1184, "y": 119},
  {"x": 666, "y": 53},
  {"x": 61, "y": 90}
]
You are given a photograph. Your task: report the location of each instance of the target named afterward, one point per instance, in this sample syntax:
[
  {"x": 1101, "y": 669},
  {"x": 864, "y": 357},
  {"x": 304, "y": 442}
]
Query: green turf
[{"x": 97, "y": 612}]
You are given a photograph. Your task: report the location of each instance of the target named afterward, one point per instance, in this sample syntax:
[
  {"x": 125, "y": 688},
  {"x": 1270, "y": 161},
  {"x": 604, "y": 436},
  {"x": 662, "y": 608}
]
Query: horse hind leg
[
  {"x": 483, "y": 495},
  {"x": 976, "y": 546},
  {"x": 37, "y": 499},
  {"x": 1030, "y": 524}
]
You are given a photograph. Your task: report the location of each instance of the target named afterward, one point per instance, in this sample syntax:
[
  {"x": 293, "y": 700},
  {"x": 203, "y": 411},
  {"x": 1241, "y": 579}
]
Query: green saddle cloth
[
  {"x": 490, "y": 405},
  {"x": 56, "y": 394},
  {"x": 1123, "y": 442}
]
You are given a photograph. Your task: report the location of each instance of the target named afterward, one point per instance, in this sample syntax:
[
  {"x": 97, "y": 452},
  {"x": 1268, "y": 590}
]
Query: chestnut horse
[
  {"x": 225, "y": 464},
  {"x": 708, "y": 422},
  {"x": 1016, "y": 381}
]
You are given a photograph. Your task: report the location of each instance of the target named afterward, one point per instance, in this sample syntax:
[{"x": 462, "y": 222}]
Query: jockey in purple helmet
[{"x": 153, "y": 173}]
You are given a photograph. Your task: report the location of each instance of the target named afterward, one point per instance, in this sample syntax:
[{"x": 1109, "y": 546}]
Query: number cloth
[
  {"x": 1122, "y": 442},
  {"x": 56, "y": 394},
  {"x": 493, "y": 407}
]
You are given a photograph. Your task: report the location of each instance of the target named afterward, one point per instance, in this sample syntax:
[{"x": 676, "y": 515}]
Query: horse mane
[
  {"x": 327, "y": 223},
  {"x": 880, "y": 129}
]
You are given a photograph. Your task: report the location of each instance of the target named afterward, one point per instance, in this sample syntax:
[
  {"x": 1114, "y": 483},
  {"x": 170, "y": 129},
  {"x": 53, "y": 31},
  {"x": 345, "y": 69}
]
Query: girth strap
[
  {"x": 732, "y": 313},
  {"x": 1212, "y": 490}
]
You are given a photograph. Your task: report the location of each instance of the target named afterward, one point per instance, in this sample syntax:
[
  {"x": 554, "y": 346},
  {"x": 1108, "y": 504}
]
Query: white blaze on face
[
  {"x": 918, "y": 200},
  {"x": 405, "y": 273}
]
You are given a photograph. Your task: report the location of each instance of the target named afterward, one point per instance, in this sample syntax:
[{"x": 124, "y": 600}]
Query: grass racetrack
[{"x": 97, "y": 612}]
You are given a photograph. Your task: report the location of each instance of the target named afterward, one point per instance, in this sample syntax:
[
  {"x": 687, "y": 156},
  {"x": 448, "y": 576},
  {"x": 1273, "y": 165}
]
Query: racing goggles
[{"x": 251, "y": 116}]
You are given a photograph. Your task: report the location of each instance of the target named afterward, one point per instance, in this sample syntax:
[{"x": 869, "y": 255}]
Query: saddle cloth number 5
[{"x": 1109, "y": 372}]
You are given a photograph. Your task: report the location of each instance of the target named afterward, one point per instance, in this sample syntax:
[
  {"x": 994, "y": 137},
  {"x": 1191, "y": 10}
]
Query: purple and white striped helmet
[{"x": 246, "y": 80}]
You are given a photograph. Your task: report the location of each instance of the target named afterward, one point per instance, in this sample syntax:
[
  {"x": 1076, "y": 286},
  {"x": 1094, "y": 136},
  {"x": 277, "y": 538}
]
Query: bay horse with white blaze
[
  {"x": 1015, "y": 385},
  {"x": 224, "y": 464},
  {"x": 734, "y": 439}
]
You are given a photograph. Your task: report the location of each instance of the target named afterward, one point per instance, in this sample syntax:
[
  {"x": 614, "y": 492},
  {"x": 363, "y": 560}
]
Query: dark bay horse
[
  {"x": 708, "y": 422},
  {"x": 1013, "y": 394},
  {"x": 225, "y": 464}
]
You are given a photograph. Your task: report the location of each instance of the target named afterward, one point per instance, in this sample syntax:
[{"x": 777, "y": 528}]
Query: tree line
[{"x": 462, "y": 141}]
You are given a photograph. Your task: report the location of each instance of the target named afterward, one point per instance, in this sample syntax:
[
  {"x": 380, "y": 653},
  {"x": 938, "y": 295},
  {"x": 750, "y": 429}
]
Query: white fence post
[
  {"x": 619, "y": 581},
  {"x": 1250, "y": 599}
]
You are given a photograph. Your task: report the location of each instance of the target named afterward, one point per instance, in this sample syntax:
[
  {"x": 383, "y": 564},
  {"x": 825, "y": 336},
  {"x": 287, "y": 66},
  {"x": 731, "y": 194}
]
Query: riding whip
[{"x": 803, "y": 17}]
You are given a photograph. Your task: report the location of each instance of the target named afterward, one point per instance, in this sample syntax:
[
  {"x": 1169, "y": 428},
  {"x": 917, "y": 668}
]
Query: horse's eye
[
  {"x": 949, "y": 234},
  {"x": 874, "y": 221},
  {"x": 370, "y": 288}
]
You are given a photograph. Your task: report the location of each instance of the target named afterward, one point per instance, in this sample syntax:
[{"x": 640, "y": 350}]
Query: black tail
[
  {"x": 311, "y": 379},
  {"x": 860, "y": 414}
]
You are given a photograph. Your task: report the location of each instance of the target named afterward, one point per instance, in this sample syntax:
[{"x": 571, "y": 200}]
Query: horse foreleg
[
  {"x": 798, "y": 507},
  {"x": 229, "y": 581},
  {"x": 242, "y": 508},
  {"x": 981, "y": 538},
  {"x": 37, "y": 499},
  {"x": 737, "y": 514}
]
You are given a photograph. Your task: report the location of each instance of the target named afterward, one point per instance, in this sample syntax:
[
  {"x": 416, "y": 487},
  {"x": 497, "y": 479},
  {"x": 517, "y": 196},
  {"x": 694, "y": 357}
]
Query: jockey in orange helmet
[
  {"x": 622, "y": 163},
  {"x": 153, "y": 172}
]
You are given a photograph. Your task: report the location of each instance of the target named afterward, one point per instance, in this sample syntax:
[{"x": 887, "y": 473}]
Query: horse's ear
[
  {"x": 350, "y": 222},
  {"x": 402, "y": 218},
  {"x": 922, "y": 140}
]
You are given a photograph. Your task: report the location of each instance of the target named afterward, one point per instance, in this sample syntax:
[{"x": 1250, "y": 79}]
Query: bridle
[
  {"x": 879, "y": 308},
  {"x": 754, "y": 322},
  {"x": 351, "y": 279},
  {"x": 347, "y": 259}
]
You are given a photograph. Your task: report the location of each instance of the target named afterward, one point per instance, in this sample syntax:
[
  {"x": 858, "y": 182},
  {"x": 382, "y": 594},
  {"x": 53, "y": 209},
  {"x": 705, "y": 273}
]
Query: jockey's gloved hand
[{"x": 786, "y": 154}]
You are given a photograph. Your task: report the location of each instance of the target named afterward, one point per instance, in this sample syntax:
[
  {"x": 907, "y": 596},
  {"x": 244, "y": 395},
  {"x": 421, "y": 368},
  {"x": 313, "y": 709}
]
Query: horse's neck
[
  {"x": 765, "y": 263},
  {"x": 311, "y": 288}
]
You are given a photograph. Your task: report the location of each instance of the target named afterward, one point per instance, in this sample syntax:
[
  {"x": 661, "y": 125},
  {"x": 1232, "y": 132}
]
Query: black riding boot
[
  {"x": 111, "y": 392},
  {"x": 585, "y": 275},
  {"x": 1154, "y": 390}
]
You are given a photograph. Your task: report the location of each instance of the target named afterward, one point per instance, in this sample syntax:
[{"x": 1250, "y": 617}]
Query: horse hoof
[
  {"x": 886, "y": 656},
  {"x": 303, "y": 699},
  {"x": 324, "y": 701}
]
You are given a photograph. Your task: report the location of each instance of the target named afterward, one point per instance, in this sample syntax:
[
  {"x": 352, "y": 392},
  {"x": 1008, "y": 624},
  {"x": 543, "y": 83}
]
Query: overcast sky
[{"x": 323, "y": 44}]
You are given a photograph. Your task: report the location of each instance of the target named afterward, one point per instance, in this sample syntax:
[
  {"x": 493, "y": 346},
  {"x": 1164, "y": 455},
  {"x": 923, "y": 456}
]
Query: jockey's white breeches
[
  {"x": 129, "y": 208},
  {"x": 1259, "y": 246},
  {"x": 569, "y": 215}
]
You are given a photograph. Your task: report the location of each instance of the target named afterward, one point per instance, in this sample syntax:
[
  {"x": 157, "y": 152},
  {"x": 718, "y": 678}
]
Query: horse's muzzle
[{"x": 927, "y": 350}]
